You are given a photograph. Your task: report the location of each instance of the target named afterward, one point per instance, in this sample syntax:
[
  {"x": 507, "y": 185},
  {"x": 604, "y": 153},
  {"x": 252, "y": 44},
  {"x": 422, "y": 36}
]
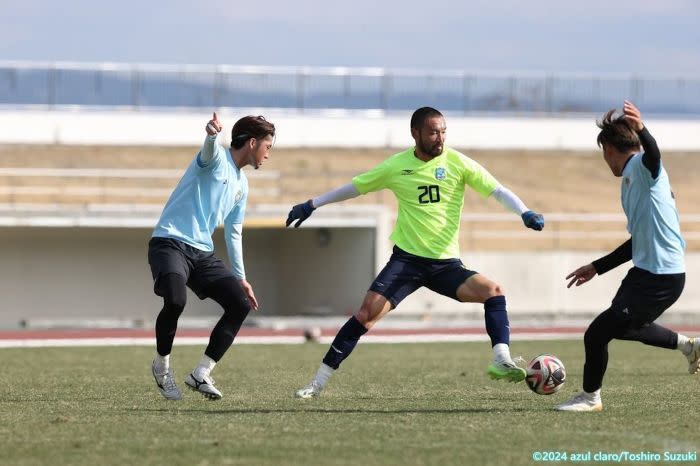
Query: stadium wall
[
  {"x": 320, "y": 129},
  {"x": 92, "y": 272}
]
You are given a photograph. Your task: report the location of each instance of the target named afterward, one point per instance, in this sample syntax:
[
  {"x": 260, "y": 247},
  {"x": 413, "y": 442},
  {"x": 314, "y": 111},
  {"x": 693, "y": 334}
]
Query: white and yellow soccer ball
[{"x": 545, "y": 374}]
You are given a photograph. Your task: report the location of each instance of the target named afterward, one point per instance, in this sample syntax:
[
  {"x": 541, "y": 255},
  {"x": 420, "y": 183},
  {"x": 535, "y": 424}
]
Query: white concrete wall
[
  {"x": 320, "y": 129},
  {"x": 535, "y": 284},
  {"x": 103, "y": 273}
]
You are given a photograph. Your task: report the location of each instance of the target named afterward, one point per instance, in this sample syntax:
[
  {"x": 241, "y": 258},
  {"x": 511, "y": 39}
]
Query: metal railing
[{"x": 136, "y": 86}]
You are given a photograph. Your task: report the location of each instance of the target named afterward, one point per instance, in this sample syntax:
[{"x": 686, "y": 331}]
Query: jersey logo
[
  {"x": 225, "y": 181},
  {"x": 440, "y": 173},
  {"x": 407, "y": 172}
]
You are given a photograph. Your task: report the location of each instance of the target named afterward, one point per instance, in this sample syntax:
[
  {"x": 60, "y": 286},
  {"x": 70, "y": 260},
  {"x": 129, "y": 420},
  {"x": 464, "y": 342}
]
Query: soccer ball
[
  {"x": 312, "y": 334},
  {"x": 545, "y": 374}
]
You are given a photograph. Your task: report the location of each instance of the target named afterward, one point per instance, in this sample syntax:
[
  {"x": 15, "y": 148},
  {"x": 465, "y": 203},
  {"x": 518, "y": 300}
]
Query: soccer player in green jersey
[{"x": 429, "y": 181}]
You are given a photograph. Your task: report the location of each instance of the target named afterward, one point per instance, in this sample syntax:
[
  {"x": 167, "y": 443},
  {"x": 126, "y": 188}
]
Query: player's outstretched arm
[
  {"x": 512, "y": 202},
  {"x": 301, "y": 212},
  {"x": 213, "y": 128},
  {"x": 652, "y": 156},
  {"x": 619, "y": 256}
]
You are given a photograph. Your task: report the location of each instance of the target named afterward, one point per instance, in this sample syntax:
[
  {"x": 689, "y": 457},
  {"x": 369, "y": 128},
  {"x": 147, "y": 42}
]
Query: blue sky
[{"x": 644, "y": 36}]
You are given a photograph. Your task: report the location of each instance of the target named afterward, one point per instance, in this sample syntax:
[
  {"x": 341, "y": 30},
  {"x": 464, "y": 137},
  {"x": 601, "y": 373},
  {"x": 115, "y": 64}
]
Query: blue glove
[
  {"x": 300, "y": 212},
  {"x": 533, "y": 220}
]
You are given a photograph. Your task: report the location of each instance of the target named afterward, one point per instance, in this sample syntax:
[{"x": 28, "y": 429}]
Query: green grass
[{"x": 389, "y": 404}]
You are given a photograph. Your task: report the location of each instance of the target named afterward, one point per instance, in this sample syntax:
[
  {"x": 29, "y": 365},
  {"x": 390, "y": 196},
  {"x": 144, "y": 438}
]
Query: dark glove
[
  {"x": 300, "y": 212},
  {"x": 533, "y": 220}
]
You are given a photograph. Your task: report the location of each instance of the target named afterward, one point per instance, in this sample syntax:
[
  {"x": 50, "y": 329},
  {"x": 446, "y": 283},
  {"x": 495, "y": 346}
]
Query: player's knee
[
  {"x": 590, "y": 337},
  {"x": 175, "y": 303},
  {"x": 494, "y": 290},
  {"x": 368, "y": 314},
  {"x": 174, "y": 293},
  {"x": 237, "y": 311},
  {"x": 364, "y": 316}
]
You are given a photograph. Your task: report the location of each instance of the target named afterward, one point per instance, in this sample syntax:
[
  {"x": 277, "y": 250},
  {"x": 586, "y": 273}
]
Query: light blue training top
[
  {"x": 212, "y": 191},
  {"x": 652, "y": 219}
]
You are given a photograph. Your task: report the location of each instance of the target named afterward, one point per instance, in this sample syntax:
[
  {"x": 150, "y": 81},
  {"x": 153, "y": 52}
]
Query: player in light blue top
[
  {"x": 652, "y": 218},
  {"x": 212, "y": 191},
  {"x": 655, "y": 247}
]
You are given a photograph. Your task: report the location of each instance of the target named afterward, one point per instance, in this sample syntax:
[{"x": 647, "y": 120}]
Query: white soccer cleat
[
  {"x": 694, "y": 355},
  {"x": 581, "y": 402},
  {"x": 205, "y": 386},
  {"x": 166, "y": 383},
  {"x": 311, "y": 390}
]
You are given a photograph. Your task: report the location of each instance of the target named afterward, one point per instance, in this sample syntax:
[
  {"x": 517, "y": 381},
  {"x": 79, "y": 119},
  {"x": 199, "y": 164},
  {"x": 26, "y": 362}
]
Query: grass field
[{"x": 389, "y": 404}]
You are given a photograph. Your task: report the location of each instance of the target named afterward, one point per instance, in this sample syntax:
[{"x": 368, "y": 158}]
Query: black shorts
[
  {"x": 405, "y": 273},
  {"x": 643, "y": 296},
  {"x": 200, "y": 268}
]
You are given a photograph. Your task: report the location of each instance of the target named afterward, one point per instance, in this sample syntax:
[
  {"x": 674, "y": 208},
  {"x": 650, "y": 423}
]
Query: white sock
[
  {"x": 593, "y": 396},
  {"x": 162, "y": 363},
  {"x": 501, "y": 353},
  {"x": 324, "y": 373},
  {"x": 204, "y": 368},
  {"x": 683, "y": 344}
]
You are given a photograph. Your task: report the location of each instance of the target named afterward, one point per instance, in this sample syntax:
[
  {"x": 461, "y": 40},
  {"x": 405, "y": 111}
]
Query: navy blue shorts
[
  {"x": 405, "y": 273},
  {"x": 200, "y": 268}
]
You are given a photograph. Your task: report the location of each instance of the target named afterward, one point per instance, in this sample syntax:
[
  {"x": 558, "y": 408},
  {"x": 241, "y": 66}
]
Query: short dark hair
[
  {"x": 422, "y": 114},
  {"x": 250, "y": 127},
  {"x": 617, "y": 131}
]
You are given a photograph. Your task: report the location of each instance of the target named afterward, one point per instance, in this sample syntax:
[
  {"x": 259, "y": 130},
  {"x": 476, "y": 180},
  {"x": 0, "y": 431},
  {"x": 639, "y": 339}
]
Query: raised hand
[
  {"x": 633, "y": 115},
  {"x": 533, "y": 220},
  {"x": 214, "y": 126},
  {"x": 300, "y": 212}
]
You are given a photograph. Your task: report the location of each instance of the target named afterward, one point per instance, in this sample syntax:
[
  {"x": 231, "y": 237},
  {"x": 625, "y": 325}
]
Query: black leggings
[
  {"x": 227, "y": 292},
  {"x": 613, "y": 324},
  {"x": 640, "y": 300}
]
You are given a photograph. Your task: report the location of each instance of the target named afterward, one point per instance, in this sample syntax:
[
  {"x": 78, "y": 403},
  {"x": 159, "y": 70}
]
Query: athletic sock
[
  {"x": 501, "y": 353},
  {"x": 684, "y": 344},
  {"x": 162, "y": 363},
  {"x": 496, "y": 318},
  {"x": 344, "y": 342},
  {"x": 323, "y": 374},
  {"x": 204, "y": 368},
  {"x": 593, "y": 396}
]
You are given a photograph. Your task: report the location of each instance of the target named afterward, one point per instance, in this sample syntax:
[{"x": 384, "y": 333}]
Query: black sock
[
  {"x": 344, "y": 342},
  {"x": 496, "y": 318}
]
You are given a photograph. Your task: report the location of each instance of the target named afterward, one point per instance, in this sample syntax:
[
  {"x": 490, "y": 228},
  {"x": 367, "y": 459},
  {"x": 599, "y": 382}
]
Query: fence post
[
  {"x": 135, "y": 88},
  {"x": 51, "y": 91},
  {"x": 385, "y": 91},
  {"x": 301, "y": 82}
]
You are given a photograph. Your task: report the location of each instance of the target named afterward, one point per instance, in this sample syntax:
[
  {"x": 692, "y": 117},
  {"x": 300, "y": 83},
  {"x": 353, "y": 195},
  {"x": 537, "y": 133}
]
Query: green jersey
[{"x": 430, "y": 195}]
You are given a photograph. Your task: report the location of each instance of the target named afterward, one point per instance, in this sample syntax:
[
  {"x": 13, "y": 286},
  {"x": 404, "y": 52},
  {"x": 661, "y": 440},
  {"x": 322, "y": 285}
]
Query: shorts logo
[
  {"x": 440, "y": 173},
  {"x": 239, "y": 196}
]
